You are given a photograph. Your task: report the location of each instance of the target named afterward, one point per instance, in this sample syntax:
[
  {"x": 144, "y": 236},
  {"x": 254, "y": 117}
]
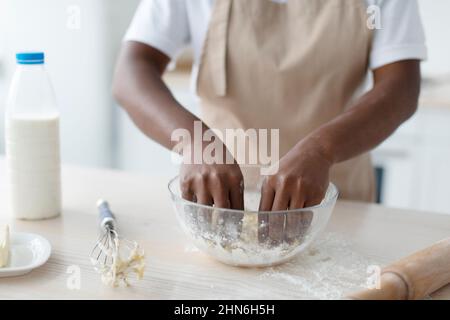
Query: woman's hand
[
  {"x": 301, "y": 181},
  {"x": 218, "y": 184}
]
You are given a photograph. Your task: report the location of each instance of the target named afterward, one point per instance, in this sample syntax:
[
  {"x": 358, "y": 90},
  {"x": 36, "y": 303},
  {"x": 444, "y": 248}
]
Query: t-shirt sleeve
[
  {"x": 162, "y": 24},
  {"x": 401, "y": 36}
]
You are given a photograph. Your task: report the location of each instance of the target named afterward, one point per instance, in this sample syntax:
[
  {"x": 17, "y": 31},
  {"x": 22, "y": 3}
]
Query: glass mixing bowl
[{"x": 249, "y": 238}]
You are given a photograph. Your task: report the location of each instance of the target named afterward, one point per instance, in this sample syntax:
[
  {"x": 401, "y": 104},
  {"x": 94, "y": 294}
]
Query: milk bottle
[{"x": 32, "y": 142}]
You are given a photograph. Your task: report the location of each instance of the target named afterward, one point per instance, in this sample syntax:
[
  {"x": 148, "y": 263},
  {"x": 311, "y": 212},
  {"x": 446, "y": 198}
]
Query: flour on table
[{"x": 329, "y": 269}]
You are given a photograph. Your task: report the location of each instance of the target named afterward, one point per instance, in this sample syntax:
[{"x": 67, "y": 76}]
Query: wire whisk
[{"x": 113, "y": 257}]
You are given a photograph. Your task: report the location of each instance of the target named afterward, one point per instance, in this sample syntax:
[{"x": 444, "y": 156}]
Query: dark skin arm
[
  {"x": 303, "y": 174},
  {"x": 139, "y": 88},
  {"x": 302, "y": 178}
]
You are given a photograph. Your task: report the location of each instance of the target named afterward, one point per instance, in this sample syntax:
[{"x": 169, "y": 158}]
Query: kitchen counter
[{"x": 175, "y": 271}]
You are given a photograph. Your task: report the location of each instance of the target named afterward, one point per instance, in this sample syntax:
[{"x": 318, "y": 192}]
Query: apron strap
[{"x": 218, "y": 38}]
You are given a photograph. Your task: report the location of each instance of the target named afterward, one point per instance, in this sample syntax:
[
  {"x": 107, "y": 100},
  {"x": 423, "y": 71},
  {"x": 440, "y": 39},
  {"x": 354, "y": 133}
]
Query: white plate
[{"x": 27, "y": 252}]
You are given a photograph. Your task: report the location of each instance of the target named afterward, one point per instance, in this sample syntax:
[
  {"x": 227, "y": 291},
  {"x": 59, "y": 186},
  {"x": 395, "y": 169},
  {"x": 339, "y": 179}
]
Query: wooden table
[{"x": 144, "y": 213}]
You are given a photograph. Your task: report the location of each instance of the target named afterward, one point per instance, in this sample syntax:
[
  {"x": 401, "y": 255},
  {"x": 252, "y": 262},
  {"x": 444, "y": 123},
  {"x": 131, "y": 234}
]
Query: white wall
[
  {"x": 437, "y": 29},
  {"x": 79, "y": 61},
  {"x": 139, "y": 153}
]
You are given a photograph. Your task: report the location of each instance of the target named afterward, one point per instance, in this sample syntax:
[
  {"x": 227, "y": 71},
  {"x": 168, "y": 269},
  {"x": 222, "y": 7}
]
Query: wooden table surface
[{"x": 174, "y": 271}]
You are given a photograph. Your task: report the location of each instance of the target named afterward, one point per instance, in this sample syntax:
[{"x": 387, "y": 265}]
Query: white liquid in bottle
[{"x": 32, "y": 146}]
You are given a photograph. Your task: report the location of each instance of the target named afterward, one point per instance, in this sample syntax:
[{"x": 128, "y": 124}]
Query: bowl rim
[{"x": 334, "y": 189}]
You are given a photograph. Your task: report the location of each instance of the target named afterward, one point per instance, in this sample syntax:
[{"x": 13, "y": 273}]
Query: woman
[{"x": 297, "y": 66}]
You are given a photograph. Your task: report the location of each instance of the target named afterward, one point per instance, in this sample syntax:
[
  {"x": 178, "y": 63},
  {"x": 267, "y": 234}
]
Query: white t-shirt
[{"x": 172, "y": 25}]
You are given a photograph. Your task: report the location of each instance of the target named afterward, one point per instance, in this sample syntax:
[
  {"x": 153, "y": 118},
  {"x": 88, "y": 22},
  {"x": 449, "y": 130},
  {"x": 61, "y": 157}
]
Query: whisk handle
[{"x": 107, "y": 219}]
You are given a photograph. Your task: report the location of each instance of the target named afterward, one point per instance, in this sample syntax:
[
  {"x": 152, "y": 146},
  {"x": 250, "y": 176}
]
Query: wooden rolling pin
[{"x": 413, "y": 277}]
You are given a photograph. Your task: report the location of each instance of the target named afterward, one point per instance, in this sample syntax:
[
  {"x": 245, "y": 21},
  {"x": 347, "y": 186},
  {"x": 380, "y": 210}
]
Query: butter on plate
[{"x": 4, "y": 246}]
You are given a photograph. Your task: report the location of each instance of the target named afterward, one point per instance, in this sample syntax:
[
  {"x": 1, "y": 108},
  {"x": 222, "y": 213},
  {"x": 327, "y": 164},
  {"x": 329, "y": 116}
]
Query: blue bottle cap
[{"x": 30, "y": 58}]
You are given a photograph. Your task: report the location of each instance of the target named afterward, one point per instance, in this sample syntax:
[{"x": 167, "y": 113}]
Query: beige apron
[{"x": 290, "y": 66}]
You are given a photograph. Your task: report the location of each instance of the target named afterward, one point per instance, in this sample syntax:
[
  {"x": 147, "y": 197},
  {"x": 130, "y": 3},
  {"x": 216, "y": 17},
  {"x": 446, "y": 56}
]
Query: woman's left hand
[{"x": 301, "y": 181}]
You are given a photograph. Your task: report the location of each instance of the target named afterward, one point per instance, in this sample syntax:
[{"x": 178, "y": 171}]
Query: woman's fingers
[
  {"x": 298, "y": 196},
  {"x": 217, "y": 186},
  {"x": 285, "y": 223},
  {"x": 281, "y": 200},
  {"x": 223, "y": 221},
  {"x": 277, "y": 219},
  {"x": 204, "y": 197},
  {"x": 236, "y": 194},
  {"x": 187, "y": 195},
  {"x": 186, "y": 189},
  {"x": 219, "y": 191},
  {"x": 204, "y": 215},
  {"x": 314, "y": 201},
  {"x": 293, "y": 227},
  {"x": 267, "y": 196}
]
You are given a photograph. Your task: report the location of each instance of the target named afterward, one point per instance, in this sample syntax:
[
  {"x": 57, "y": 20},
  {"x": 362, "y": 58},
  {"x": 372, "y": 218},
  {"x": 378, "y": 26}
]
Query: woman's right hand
[
  {"x": 218, "y": 184},
  {"x": 214, "y": 184}
]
